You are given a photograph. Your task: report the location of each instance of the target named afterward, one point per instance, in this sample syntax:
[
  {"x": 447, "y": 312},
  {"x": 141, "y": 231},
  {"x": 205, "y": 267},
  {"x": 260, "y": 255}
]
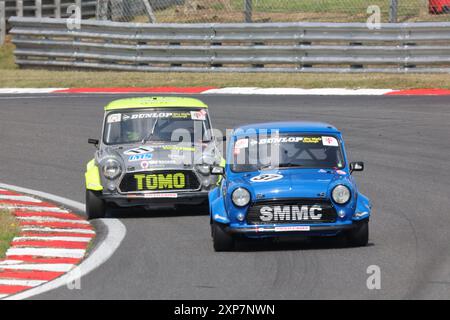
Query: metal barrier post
[
  {"x": 19, "y": 8},
  {"x": 2, "y": 22},
  {"x": 38, "y": 12},
  {"x": 150, "y": 12},
  {"x": 102, "y": 10},
  {"x": 248, "y": 10},
  {"x": 57, "y": 12},
  {"x": 393, "y": 10}
]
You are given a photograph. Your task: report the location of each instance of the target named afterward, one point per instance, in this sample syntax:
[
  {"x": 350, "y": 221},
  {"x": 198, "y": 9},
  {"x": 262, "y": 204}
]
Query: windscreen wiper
[{"x": 151, "y": 133}]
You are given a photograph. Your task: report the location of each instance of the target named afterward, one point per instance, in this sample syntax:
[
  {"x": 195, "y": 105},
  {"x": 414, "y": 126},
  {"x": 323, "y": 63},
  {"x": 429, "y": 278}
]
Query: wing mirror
[
  {"x": 356, "y": 166},
  {"x": 217, "y": 171},
  {"x": 95, "y": 142}
]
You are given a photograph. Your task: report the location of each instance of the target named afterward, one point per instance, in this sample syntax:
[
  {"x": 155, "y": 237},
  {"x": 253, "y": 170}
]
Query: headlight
[
  {"x": 341, "y": 194},
  {"x": 240, "y": 197},
  {"x": 111, "y": 169},
  {"x": 204, "y": 169}
]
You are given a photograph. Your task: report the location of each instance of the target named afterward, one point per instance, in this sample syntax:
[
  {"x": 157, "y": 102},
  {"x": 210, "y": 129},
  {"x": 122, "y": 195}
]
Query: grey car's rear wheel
[
  {"x": 359, "y": 237},
  {"x": 222, "y": 241},
  {"x": 95, "y": 207}
]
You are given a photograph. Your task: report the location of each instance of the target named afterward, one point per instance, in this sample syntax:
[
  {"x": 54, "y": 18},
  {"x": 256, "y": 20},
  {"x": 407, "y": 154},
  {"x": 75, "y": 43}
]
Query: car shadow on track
[
  {"x": 295, "y": 244},
  {"x": 247, "y": 245},
  {"x": 138, "y": 213}
]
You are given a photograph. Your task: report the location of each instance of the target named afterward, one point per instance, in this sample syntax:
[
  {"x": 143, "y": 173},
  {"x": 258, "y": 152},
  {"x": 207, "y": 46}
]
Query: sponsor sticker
[
  {"x": 198, "y": 115},
  {"x": 145, "y": 164},
  {"x": 140, "y": 150},
  {"x": 278, "y": 140},
  {"x": 341, "y": 172},
  {"x": 293, "y": 228},
  {"x": 267, "y": 177},
  {"x": 113, "y": 118},
  {"x": 312, "y": 139},
  {"x": 160, "y": 181},
  {"x": 241, "y": 144},
  {"x": 330, "y": 142},
  {"x": 162, "y": 162},
  {"x": 178, "y": 148},
  {"x": 161, "y": 195},
  {"x": 290, "y": 213},
  {"x": 140, "y": 157}
]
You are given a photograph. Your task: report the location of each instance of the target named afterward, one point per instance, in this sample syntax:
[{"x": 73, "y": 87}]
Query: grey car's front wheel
[
  {"x": 222, "y": 241},
  {"x": 95, "y": 207}
]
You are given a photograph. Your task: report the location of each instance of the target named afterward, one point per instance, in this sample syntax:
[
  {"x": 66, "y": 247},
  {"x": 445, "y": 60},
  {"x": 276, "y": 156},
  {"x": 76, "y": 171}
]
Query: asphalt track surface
[{"x": 404, "y": 141}]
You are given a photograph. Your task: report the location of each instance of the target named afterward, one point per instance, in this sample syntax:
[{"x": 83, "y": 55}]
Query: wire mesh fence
[{"x": 200, "y": 11}]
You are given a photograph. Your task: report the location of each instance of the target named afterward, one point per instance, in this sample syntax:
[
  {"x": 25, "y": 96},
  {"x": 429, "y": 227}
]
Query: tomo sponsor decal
[
  {"x": 160, "y": 181},
  {"x": 140, "y": 157},
  {"x": 290, "y": 213},
  {"x": 267, "y": 177},
  {"x": 330, "y": 142},
  {"x": 139, "y": 150}
]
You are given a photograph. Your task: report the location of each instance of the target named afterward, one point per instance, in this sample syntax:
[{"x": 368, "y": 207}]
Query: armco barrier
[{"x": 265, "y": 47}]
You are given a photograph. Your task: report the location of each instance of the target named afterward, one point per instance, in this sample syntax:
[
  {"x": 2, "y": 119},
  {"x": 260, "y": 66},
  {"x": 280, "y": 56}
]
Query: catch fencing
[
  {"x": 264, "y": 47},
  {"x": 43, "y": 8},
  {"x": 260, "y": 11},
  {"x": 48, "y": 8}
]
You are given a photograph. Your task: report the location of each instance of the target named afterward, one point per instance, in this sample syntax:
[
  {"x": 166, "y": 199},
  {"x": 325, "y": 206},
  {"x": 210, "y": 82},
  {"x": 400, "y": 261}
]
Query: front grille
[
  {"x": 299, "y": 211},
  {"x": 161, "y": 180}
]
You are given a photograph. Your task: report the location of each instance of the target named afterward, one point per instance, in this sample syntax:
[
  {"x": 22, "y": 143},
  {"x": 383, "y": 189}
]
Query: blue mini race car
[{"x": 288, "y": 178}]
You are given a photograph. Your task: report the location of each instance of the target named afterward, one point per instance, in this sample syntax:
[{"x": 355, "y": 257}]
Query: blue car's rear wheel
[
  {"x": 95, "y": 207},
  {"x": 359, "y": 237},
  {"x": 222, "y": 241}
]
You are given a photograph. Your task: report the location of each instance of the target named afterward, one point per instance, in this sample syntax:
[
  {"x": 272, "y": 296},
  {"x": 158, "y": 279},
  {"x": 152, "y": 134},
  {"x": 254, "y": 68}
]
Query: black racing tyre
[
  {"x": 359, "y": 237},
  {"x": 95, "y": 207},
  {"x": 222, "y": 241}
]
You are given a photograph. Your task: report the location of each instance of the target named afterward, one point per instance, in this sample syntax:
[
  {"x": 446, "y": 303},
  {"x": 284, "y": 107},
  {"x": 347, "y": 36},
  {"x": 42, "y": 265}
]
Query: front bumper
[
  {"x": 290, "y": 230},
  {"x": 157, "y": 200}
]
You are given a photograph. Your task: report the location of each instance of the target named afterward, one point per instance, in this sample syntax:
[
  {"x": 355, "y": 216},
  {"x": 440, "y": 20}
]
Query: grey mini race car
[{"x": 155, "y": 153}]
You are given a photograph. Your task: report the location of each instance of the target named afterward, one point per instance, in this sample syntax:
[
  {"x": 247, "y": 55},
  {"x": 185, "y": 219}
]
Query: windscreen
[
  {"x": 286, "y": 151},
  {"x": 156, "y": 125}
]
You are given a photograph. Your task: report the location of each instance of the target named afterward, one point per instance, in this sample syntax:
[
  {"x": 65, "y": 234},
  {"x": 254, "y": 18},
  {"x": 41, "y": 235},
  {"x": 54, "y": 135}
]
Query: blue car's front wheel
[
  {"x": 222, "y": 241},
  {"x": 359, "y": 237}
]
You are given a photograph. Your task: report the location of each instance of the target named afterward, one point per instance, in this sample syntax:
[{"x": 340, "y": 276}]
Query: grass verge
[
  {"x": 12, "y": 77},
  {"x": 9, "y": 228}
]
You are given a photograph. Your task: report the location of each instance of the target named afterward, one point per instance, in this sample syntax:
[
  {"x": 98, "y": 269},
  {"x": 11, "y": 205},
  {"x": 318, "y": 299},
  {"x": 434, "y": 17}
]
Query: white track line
[
  {"x": 34, "y": 208},
  {"x": 27, "y": 283},
  {"x": 55, "y": 267},
  {"x": 6, "y": 262},
  {"x": 57, "y": 230},
  {"x": 115, "y": 232},
  {"x": 74, "y": 239},
  {"x": 3, "y": 296},
  {"x": 28, "y": 90},
  {"x": 51, "y": 219},
  {"x": 46, "y": 252},
  {"x": 297, "y": 91},
  {"x": 19, "y": 198}
]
